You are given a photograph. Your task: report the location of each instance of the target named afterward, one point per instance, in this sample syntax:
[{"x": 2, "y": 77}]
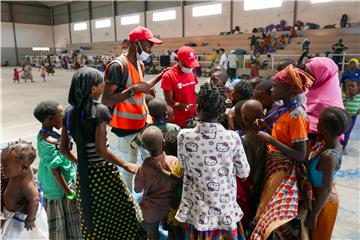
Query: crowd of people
[{"x": 247, "y": 159}]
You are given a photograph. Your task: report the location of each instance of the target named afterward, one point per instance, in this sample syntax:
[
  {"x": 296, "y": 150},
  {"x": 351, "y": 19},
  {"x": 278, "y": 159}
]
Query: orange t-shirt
[{"x": 290, "y": 128}]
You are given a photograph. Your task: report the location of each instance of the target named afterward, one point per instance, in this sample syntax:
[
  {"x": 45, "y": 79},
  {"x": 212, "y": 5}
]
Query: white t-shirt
[
  {"x": 232, "y": 58},
  {"x": 223, "y": 61}
]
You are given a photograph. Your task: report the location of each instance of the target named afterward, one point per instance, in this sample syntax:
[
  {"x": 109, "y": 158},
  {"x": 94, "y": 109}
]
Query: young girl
[
  {"x": 212, "y": 157},
  {"x": 23, "y": 199},
  {"x": 16, "y": 75},
  {"x": 287, "y": 149},
  {"x": 57, "y": 175},
  {"x": 154, "y": 178},
  {"x": 351, "y": 99},
  {"x": 42, "y": 71},
  {"x": 107, "y": 208},
  {"x": 322, "y": 170}
]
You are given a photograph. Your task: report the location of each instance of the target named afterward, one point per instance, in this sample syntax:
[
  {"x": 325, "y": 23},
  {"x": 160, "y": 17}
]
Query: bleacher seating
[{"x": 321, "y": 41}]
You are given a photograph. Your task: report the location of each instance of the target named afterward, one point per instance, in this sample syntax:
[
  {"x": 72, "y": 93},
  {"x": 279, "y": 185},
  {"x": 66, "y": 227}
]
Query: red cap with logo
[
  {"x": 188, "y": 56},
  {"x": 141, "y": 33}
]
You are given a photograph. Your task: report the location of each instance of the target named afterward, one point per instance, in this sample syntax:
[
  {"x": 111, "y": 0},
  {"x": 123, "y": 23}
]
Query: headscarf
[
  {"x": 294, "y": 77},
  {"x": 325, "y": 92},
  {"x": 355, "y": 60},
  {"x": 84, "y": 108}
]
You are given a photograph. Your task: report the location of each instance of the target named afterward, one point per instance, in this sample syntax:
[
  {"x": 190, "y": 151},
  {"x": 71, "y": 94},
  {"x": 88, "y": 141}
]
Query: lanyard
[
  {"x": 279, "y": 111},
  {"x": 51, "y": 133}
]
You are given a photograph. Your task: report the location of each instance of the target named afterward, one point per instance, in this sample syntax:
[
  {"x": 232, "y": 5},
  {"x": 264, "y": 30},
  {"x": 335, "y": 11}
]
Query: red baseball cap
[
  {"x": 188, "y": 56},
  {"x": 141, "y": 33}
]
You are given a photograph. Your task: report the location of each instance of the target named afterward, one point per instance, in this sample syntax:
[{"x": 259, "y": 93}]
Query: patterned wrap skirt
[
  {"x": 115, "y": 214},
  {"x": 191, "y": 233}
]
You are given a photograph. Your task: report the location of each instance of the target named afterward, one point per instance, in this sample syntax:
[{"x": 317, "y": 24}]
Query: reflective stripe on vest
[{"x": 131, "y": 113}]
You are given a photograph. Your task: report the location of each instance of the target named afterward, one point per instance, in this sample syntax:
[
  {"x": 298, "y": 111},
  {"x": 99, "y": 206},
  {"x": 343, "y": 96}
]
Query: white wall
[
  {"x": 207, "y": 25},
  {"x": 62, "y": 35},
  {"x": 103, "y": 34},
  {"x": 7, "y": 35},
  {"x": 166, "y": 29},
  {"x": 80, "y": 36},
  {"x": 247, "y": 20},
  {"x": 123, "y": 31},
  {"x": 328, "y": 12},
  {"x": 30, "y": 35}
]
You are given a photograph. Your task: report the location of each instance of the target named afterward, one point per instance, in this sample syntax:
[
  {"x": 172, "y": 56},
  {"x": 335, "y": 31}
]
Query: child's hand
[
  {"x": 131, "y": 168},
  {"x": 264, "y": 137},
  {"x": 311, "y": 220},
  {"x": 29, "y": 225}
]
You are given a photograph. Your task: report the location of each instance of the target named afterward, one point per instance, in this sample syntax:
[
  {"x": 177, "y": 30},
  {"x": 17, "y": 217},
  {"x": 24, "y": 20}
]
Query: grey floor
[{"x": 17, "y": 121}]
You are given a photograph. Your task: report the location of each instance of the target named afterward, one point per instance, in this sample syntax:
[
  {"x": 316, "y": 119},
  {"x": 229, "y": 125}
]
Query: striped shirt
[{"x": 352, "y": 106}]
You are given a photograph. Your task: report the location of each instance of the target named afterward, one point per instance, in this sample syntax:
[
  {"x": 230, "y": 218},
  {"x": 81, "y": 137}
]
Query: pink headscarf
[{"x": 325, "y": 91}]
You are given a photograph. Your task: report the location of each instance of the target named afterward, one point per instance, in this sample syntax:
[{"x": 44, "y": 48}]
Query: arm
[
  {"x": 139, "y": 181},
  {"x": 241, "y": 165},
  {"x": 298, "y": 152},
  {"x": 169, "y": 98},
  {"x": 111, "y": 96},
  {"x": 61, "y": 180},
  {"x": 104, "y": 152},
  {"x": 32, "y": 196},
  {"x": 64, "y": 146},
  {"x": 328, "y": 170}
]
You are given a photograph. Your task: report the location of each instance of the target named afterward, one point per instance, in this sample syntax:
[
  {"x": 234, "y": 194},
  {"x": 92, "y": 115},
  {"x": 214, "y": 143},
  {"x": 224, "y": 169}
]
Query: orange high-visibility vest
[{"x": 132, "y": 112}]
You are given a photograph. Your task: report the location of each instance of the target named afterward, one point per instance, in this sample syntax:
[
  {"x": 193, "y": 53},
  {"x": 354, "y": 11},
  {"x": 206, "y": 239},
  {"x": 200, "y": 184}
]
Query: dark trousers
[
  {"x": 232, "y": 73},
  {"x": 347, "y": 134}
]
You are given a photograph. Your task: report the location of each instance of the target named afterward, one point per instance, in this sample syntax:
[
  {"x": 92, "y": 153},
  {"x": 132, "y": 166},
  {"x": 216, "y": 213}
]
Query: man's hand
[{"x": 141, "y": 87}]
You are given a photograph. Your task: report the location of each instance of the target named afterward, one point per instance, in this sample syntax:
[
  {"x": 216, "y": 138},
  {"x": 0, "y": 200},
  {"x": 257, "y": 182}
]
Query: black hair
[
  {"x": 336, "y": 120},
  {"x": 211, "y": 100},
  {"x": 45, "y": 109},
  {"x": 238, "y": 106},
  {"x": 15, "y": 69},
  {"x": 23, "y": 150},
  {"x": 350, "y": 80},
  {"x": 245, "y": 89},
  {"x": 157, "y": 108},
  {"x": 264, "y": 86},
  {"x": 170, "y": 147},
  {"x": 222, "y": 49},
  {"x": 148, "y": 98},
  {"x": 152, "y": 139}
]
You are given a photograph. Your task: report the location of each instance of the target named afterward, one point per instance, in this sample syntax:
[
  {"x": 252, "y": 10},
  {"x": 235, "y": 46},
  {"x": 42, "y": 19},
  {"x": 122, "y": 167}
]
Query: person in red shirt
[{"x": 179, "y": 84}]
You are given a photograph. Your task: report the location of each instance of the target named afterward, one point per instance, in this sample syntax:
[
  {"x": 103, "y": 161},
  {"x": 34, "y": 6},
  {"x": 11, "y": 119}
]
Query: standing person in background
[
  {"x": 124, "y": 91},
  {"x": 179, "y": 86},
  {"x": 233, "y": 59},
  {"x": 338, "y": 49},
  {"x": 223, "y": 59}
]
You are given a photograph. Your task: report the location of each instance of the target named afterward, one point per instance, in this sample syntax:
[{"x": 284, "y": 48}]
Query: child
[
  {"x": 42, "y": 71},
  {"x": 23, "y": 199},
  {"x": 174, "y": 227},
  {"x": 159, "y": 112},
  {"x": 155, "y": 180},
  {"x": 212, "y": 157},
  {"x": 351, "y": 99},
  {"x": 249, "y": 191},
  {"x": 107, "y": 208},
  {"x": 57, "y": 174},
  {"x": 287, "y": 150},
  {"x": 322, "y": 170},
  {"x": 16, "y": 75}
]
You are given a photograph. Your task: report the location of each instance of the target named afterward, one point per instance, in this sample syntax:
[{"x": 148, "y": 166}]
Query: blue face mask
[{"x": 143, "y": 55}]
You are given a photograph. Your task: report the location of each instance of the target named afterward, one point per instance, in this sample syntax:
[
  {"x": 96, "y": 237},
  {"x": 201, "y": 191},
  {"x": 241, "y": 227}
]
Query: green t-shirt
[
  {"x": 51, "y": 158},
  {"x": 352, "y": 106}
]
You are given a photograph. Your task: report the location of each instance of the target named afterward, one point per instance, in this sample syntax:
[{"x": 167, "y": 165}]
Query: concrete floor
[{"x": 19, "y": 100}]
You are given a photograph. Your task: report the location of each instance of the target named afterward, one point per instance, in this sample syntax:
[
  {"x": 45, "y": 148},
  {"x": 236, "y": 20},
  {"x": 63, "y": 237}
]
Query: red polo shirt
[{"x": 183, "y": 87}]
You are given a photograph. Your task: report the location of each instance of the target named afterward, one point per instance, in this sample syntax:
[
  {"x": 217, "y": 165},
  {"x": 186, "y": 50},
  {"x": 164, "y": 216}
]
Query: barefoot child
[
  {"x": 57, "y": 175},
  {"x": 322, "y": 169},
  {"x": 212, "y": 157},
  {"x": 42, "y": 71},
  {"x": 23, "y": 199},
  {"x": 154, "y": 178},
  {"x": 16, "y": 75}
]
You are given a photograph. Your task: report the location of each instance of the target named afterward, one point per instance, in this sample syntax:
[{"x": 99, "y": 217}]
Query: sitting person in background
[
  {"x": 352, "y": 72},
  {"x": 236, "y": 30},
  {"x": 155, "y": 180},
  {"x": 338, "y": 49}
]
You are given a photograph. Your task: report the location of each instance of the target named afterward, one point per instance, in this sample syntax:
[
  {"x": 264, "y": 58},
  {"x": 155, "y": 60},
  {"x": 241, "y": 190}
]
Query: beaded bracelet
[{"x": 71, "y": 196}]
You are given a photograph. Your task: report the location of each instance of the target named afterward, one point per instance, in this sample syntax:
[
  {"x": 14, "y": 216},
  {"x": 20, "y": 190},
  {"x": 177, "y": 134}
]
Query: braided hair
[
  {"x": 211, "y": 100},
  {"x": 170, "y": 147},
  {"x": 336, "y": 120},
  {"x": 23, "y": 150}
]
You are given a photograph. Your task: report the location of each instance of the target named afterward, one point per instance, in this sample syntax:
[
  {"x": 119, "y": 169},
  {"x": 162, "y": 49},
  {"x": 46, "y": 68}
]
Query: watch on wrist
[{"x": 131, "y": 92}]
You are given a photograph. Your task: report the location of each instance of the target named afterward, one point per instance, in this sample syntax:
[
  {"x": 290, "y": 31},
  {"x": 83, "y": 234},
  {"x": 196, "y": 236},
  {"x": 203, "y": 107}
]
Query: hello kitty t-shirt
[{"x": 212, "y": 157}]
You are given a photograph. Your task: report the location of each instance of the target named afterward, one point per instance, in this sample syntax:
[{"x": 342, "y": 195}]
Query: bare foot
[{"x": 344, "y": 152}]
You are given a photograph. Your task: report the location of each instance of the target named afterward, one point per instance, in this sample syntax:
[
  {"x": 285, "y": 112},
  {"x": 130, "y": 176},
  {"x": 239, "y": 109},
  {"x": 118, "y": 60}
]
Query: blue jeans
[{"x": 347, "y": 134}]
